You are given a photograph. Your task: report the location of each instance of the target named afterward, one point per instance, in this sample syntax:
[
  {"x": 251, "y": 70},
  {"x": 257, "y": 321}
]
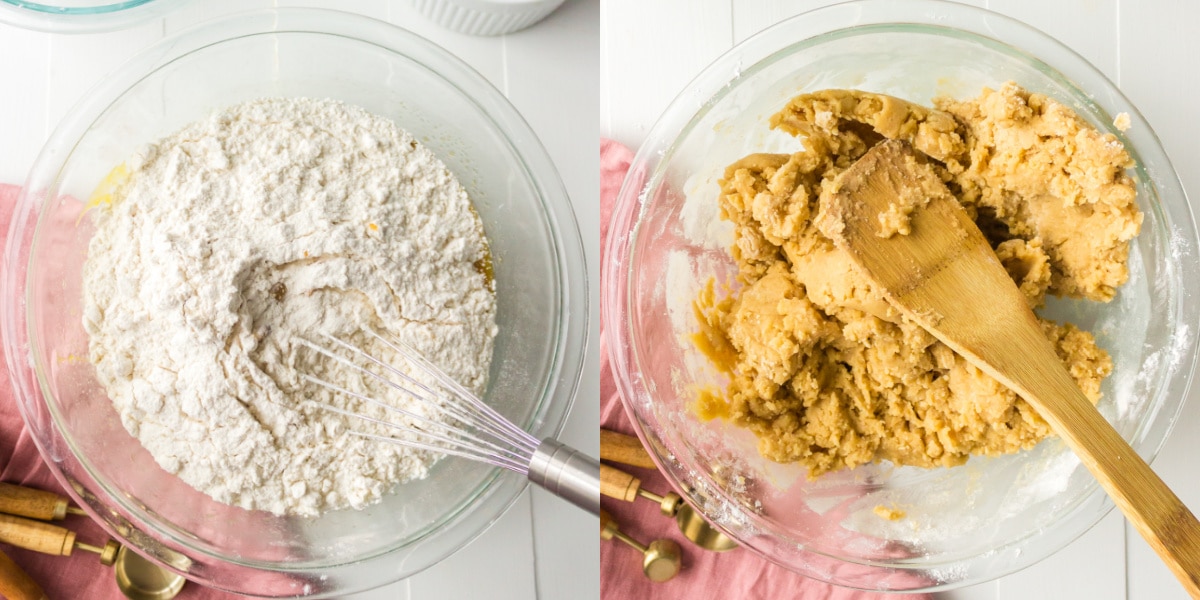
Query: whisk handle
[{"x": 568, "y": 474}]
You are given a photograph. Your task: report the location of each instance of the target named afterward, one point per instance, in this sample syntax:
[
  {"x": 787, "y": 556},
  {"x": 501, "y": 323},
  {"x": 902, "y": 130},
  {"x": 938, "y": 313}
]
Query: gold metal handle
[{"x": 661, "y": 560}]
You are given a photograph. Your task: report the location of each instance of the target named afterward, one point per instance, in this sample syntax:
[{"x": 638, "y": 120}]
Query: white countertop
[
  {"x": 542, "y": 547},
  {"x": 650, "y": 50}
]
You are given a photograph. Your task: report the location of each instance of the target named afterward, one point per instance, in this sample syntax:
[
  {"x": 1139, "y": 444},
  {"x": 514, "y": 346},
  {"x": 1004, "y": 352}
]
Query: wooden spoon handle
[
  {"x": 625, "y": 449},
  {"x": 1153, "y": 509},
  {"x": 15, "y": 583},
  {"x": 1027, "y": 363},
  {"x": 943, "y": 274}
]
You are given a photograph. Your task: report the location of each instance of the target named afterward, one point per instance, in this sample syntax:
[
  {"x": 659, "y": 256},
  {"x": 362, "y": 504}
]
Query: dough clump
[{"x": 822, "y": 369}]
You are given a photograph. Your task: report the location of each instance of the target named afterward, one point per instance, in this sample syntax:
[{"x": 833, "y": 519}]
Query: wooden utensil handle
[
  {"x": 28, "y": 502},
  {"x": 16, "y": 584},
  {"x": 1029, "y": 365},
  {"x": 36, "y": 535},
  {"x": 943, "y": 275},
  {"x": 618, "y": 484},
  {"x": 625, "y": 449},
  {"x": 1153, "y": 509}
]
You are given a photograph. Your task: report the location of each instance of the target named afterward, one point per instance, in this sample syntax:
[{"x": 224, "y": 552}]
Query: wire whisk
[{"x": 462, "y": 425}]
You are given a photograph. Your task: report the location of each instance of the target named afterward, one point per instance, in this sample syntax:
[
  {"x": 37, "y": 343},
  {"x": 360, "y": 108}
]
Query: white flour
[{"x": 272, "y": 220}]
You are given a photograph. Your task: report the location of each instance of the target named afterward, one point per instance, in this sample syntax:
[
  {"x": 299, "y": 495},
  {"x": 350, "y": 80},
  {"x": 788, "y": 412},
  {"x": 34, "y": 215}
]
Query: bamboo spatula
[{"x": 912, "y": 239}]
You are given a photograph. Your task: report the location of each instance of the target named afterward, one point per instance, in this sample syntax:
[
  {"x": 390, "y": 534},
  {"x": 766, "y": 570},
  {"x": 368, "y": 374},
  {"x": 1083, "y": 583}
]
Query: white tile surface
[
  {"x": 1101, "y": 551},
  {"x": 24, "y": 123},
  {"x": 485, "y": 55},
  {"x": 1088, "y": 27},
  {"x": 537, "y": 84},
  {"x": 651, "y": 50},
  {"x": 500, "y": 560},
  {"x": 1149, "y": 48},
  {"x": 78, "y": 62},
  {"x": 540, "y": 548}
]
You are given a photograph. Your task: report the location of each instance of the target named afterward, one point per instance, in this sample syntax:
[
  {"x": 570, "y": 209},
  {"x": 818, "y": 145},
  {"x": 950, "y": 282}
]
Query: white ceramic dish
[{"x": 486, "y": 17}]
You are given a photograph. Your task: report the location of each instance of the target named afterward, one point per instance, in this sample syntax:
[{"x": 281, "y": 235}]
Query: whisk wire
[
  {"x": 451, "y": 442},
  {"x": 473, "y": 430},
  {"x": 490, "y": 420},
  {"x": 483, "y": 458},
  {"x": 472, "y": 400},
  {"x": 450, "y": 409},
  {"x": 494, "y": 445},
  {"x": 495, "y": 460}
]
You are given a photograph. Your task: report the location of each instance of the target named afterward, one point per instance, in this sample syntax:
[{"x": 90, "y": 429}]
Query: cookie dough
[{"x": 821, "y": 368}]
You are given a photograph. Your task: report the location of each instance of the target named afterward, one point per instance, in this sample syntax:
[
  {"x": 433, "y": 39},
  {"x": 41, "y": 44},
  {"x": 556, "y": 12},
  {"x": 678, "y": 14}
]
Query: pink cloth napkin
[
  {"x": 706, "y": 575},
  {"x": 79, "y": 576}
]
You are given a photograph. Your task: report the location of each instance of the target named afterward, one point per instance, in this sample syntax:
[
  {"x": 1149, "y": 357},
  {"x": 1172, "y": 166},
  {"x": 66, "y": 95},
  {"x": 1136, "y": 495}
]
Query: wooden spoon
[{"x": 912, "y": 239}]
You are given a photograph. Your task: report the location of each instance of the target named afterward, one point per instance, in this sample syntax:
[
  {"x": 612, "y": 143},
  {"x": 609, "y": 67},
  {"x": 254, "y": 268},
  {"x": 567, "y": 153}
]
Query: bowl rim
[
  {"x": 51, "y": 18},
  {"x": 647, "y": 170},
  {"x": 557, "y": 389}
]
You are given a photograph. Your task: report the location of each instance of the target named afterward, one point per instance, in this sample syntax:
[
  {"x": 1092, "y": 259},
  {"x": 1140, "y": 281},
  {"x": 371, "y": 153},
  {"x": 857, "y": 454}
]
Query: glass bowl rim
[
  {"x": 857, "y": 17},
  {"x": 497, "y": 491},
  {"x": 110, "y": 16}
]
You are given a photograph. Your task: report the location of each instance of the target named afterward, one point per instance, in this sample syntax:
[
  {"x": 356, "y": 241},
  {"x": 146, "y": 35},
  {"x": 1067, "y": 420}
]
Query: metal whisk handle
[{"x": 568, "y": 474}]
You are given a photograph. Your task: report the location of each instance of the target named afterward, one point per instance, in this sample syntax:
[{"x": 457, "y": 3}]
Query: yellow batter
[{"x": 821, "y": 368}]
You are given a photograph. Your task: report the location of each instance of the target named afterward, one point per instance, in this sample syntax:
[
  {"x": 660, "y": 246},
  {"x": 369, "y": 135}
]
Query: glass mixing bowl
[
  {"x": 539, "y": 272},
  {"x": 82, "y": 16},
  {"x": 966, "y": 524}
]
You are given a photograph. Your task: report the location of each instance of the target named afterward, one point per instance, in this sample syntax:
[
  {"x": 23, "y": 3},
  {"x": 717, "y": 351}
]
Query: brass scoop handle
[
  {"x": 49, "y": 539},
  {"x": 661, "y": 560},
  {"x": 615, "y": 483},
  {"x": 620, "y": 485},
  {"x": 35, "y": 504},
  {"x": 136, "y": 577}
]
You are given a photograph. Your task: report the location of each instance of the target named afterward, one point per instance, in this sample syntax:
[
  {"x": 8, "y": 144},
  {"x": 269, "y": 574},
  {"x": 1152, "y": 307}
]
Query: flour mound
[{"x": 269, "y": 222}]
